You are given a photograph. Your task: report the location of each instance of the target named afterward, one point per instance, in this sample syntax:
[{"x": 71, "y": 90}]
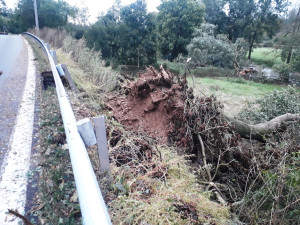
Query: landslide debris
[
  {"x": 150, "y": 104},
  {"x": 152, "y": 175},
  {"x": 161, "y": 105}
]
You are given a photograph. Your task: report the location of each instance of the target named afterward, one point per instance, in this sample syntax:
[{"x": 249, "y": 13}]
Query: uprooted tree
[{"x": 161, "y": 105}]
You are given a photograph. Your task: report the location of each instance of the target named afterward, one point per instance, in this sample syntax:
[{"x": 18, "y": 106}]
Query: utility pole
[{"x": 36, "y": 16}]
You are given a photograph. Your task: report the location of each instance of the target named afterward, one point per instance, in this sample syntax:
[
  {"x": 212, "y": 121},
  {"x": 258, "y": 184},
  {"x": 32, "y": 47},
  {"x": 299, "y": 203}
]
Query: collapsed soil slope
[
  {"x": 151, "y": 104},
  {"x": 161, "y": 105}
]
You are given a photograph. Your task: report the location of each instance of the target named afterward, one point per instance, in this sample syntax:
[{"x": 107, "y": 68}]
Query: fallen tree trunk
[{"x": 262, "y": 130}]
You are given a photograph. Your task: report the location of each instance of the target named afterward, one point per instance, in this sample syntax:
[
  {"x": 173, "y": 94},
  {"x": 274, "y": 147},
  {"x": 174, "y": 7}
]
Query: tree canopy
[
  {"x": 249, "y": 19},
  {"x": 208, "y": 48},
  {"x": 126, "y": 34},
  {"x": 176, "y": 21},
  {"x": 51, "y": 13}
]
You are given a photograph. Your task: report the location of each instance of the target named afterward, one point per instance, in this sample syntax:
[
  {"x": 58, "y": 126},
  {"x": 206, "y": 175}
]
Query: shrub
[
  {"x": 283, "y": 70},
  {"x": 276, "y": 198},
  {"x": 206, "y": 48},
  {"x": 296, "y": 60},
  {"x": 273, "y": 105},
  {"x": 211, "y": 71}
]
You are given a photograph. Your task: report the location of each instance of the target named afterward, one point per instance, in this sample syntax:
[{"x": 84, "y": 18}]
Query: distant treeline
[{"x": 130, "y": 35}]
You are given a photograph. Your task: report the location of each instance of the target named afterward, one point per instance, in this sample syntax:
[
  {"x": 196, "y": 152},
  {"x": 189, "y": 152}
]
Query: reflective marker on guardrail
[{"x": 60, "y": 70}]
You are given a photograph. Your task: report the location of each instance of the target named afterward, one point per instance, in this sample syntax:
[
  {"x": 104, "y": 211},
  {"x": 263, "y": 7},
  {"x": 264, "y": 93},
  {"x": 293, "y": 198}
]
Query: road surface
[
  {"x": 13, "y": 64},
  {"x": 17, "y": 102}
]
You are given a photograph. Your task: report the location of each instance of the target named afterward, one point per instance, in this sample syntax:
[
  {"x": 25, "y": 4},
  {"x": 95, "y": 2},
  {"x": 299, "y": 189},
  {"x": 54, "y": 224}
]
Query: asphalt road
[{"x": 13, "y": 64}]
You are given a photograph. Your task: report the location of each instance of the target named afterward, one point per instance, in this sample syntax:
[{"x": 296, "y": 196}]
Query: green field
[
  {"x": 234, "y": 93},
  {"x": 266, "y": 56}
]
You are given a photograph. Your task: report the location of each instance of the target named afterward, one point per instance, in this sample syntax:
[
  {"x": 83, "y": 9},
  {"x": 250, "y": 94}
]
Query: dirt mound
[
  {"x": 150, "y": 104},
  {"x": 161, "y": 105}
]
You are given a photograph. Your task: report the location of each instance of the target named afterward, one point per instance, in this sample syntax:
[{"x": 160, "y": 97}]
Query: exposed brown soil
[{"x": 150, "y": 104}]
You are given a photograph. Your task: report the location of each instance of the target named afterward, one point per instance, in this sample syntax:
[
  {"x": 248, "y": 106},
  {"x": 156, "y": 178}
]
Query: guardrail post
[
  {"x": 53, "y": 54},
  {"x": 100, "y": 129},
  {"x": 69, "y": 78}
]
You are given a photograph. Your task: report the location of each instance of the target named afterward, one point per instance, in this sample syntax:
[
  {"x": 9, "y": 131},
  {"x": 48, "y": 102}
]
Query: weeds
[
  {"x": 94, "y": 78},
  {"x": 55, "y": 37},
  {"x": 57, "y": 198},
  {"x": 92, "y": 64},
  {"x": 153, "y": 185}
]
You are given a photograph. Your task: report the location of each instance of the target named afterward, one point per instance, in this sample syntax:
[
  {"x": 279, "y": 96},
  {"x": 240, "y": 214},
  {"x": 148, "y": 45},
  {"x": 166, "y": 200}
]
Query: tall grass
[
  {"x": 90, "y": 61},
  {"x": 55, "y": 37}
]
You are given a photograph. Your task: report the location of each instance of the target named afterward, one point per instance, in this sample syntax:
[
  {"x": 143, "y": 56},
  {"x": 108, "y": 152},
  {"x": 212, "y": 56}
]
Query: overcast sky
[{"x": 97, "y": 6}]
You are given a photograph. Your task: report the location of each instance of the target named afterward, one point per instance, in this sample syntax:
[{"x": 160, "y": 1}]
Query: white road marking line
[{"x": 13, "y": 182}]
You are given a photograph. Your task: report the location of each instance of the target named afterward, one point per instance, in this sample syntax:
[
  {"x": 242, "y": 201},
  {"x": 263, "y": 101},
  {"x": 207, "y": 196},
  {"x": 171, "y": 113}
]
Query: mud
[{"x": 150, "y": 103}]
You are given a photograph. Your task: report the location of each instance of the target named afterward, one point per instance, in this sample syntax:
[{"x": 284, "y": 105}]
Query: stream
[{"x": 272, "y": 75}]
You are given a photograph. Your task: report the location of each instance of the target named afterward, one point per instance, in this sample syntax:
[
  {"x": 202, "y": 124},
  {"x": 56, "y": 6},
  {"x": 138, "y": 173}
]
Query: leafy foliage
[
  {"x": 248, "y": 19},
  {"x": 206, "y": 48},
  {"x": 51, "y": 14},
  {"x": 176, "y": 22},
  {"x": 125, "y": 34},
  {"x": 275, "y": 198},
  {"x": 273, "y": 105}
]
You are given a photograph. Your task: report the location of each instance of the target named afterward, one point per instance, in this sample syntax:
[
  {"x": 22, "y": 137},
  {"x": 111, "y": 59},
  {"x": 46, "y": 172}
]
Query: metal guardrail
[{"x": 92, "y": 205}]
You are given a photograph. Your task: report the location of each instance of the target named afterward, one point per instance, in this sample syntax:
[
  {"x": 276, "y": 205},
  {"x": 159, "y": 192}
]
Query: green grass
[
  {"x": 236, "y": 86},
  {"x": 233, "y": 93},
  {"x": 266, "y": 56}
]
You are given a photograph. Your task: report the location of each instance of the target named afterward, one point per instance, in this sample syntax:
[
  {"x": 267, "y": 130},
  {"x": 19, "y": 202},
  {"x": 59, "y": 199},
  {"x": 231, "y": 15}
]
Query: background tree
[
  {"x": 4, "y": 13},
  {"x": 265, "y": 19},
  {"x": 290, "y": 40},
  {"x": 217, "y": 50},
  {"x": 215, "y": 14},
  {"x": 139, "y": 42},
  {"x": 51, "y": 13},
  {"x": 249, "y": 19},
  {"x": 176, "y": 22},
  {"x": 125, "y": 34}
]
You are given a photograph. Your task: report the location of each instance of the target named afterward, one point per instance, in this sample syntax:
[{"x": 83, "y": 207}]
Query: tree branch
[{"x": 261, "y": 130}]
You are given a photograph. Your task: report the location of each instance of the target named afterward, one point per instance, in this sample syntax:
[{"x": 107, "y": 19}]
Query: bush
[
  {"x": 276, "y": 199},
  {"x": 211, "y": 71},
  {"x": 283, "y": 69},
  {"x": 273, "y": 105},
  {"x": 296, "y": 60},
  {"x": 208, "y": 49}
]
